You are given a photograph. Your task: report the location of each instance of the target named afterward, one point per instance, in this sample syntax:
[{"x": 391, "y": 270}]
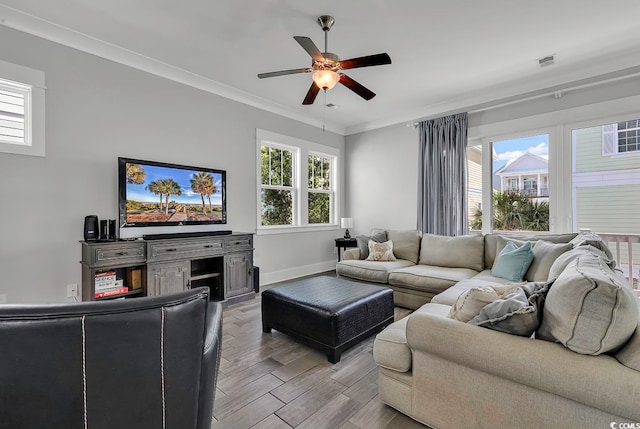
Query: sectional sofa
[
  {"x": 428, "y": 265},
  {"x": 580, "y": 368}
]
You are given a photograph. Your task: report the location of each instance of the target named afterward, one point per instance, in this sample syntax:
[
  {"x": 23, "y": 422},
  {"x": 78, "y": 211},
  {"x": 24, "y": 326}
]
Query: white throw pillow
[
  {"x": 381, "y": 251},
  {"x": 469, "y": 304}
]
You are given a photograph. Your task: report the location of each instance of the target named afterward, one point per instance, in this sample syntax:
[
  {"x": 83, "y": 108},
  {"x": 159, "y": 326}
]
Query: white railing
[{"x": 624, "y": 262}]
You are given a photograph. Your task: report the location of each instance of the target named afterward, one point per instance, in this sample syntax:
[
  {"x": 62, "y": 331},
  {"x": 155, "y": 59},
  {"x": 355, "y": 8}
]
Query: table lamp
[{"x": 346, "y": 222}]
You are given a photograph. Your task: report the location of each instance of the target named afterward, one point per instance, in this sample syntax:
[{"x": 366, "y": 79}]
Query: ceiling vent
[{"x": 546, "y": 61}]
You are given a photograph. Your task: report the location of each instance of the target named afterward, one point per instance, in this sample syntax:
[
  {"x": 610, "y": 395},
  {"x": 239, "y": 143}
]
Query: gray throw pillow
[
  {"x": 518, "y": 313},
  {"x": 363, "y": 242},
  {"x": 544, "y": 255}
]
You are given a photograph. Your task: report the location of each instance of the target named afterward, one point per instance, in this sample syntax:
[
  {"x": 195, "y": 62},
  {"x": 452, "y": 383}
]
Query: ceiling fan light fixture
[{"x": 326, "y": 79}]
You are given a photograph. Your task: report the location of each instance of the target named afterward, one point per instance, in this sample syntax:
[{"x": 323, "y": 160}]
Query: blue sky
[
  {"x": 183, "y": 177},
  {"x": 508, "y": 150}
]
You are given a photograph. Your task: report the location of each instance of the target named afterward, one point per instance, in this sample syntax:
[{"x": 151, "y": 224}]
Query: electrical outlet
[
  {"x": 3, "y": 298},
  {"x": 72, "y": 290}
]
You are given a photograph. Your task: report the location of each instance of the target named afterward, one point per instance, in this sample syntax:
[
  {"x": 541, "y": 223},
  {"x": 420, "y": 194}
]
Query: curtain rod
[{"x": 557, "y": 91}]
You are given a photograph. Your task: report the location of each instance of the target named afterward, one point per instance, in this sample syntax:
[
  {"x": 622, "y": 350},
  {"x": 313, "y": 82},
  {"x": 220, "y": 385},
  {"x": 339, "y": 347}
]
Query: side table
[{"x": 344, "y": 243}]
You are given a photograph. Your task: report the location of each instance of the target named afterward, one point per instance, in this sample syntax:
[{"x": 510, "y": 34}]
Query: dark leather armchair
[{"x": 135, "y": 363}]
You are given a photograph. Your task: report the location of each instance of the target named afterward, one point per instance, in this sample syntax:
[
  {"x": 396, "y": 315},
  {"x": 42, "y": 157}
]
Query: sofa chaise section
[
  {"x": 468, "y": 376},
  {"x": 449, "y": 374}
]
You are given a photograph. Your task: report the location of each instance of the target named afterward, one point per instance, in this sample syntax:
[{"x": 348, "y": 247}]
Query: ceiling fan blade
[
  {"x": 311, "y": 48},
  {"x": 283, "y": 72},
  {"x": 356, "y": 87},
  {"x": 311, "y": 95},
  {"x": 368, "y": 61}
]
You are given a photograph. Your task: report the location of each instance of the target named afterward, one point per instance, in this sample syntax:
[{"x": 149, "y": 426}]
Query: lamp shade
[
  {"x": 326, "y": 79},
  {"x": 346, "y": 222}
]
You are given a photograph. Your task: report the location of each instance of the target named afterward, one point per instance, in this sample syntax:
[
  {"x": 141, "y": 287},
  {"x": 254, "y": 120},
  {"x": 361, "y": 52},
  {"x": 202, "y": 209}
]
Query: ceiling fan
[{"x": 327, "y": 66}]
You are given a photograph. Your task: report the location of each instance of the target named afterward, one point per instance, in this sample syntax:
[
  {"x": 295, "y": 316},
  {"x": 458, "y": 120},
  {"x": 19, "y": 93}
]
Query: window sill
[{"x": 290, "y": 229}]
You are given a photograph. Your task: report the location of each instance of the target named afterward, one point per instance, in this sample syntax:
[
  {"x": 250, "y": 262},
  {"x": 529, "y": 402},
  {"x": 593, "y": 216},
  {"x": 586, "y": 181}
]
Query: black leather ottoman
[{"x": 327, "y": 313}]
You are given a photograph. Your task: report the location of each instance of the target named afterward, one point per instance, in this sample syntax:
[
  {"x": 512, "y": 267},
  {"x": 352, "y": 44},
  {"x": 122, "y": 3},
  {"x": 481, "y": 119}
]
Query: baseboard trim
[{"x": 292, "y": 273}]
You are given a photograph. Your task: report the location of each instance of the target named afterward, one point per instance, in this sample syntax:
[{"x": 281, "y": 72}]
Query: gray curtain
[{"x": 442, "y": 176}]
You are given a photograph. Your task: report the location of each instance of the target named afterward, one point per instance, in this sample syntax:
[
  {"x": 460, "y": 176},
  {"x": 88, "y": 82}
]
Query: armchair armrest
[
  {"x": 210, "y": 364},
  {"x": 598, "y": 381}
]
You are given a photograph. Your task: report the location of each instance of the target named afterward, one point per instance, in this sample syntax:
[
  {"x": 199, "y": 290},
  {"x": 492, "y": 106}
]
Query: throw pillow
[
  {"x": 381, "y": 251},
  {"x": 589, "y": 309},
  {"x": 363, "y": 242},
  {"x": 518, "y": 313},
  {"x": 513, "y": 262},
  {"x": 544, "y": 255},
  {"x": 469, "y": 303}
]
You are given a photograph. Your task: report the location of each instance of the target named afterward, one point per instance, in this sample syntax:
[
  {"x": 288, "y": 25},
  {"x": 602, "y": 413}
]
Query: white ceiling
[{"x": 446, "y": 54}]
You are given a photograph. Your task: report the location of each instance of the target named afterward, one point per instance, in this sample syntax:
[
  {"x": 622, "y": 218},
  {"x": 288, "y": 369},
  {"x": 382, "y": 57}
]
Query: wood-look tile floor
[{"x": 270, "y": 381}]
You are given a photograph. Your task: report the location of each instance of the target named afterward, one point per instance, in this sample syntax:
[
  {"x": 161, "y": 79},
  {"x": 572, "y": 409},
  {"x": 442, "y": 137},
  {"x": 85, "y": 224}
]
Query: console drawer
[
  {"x": 115, "y": 254},
  {"x": 239, "y": 243},
  {"x": 188, "y": 249}
]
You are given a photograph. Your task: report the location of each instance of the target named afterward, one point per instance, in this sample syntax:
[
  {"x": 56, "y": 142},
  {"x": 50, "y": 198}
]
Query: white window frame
[
  {"x": 30, "y": 82},
  {"x": 610, "y": 140},
  {"x": 301, "y": 151},
  {"x": 558, "y": 124},
  {"x": 331, "y": 191},
  {"x": 509, "y": 131},
  {"x": 294, "y": 185}
]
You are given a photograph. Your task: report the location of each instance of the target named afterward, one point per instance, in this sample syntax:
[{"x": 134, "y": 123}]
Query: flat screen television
[{"x": 158, "y": 194}]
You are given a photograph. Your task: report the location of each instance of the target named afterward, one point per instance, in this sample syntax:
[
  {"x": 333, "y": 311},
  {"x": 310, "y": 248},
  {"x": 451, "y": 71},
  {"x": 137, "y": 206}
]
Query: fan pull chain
[{"x": 324, "y": 110}]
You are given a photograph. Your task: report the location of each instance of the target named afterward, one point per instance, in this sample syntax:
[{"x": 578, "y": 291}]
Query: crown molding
[
  {"x": 617, "y": 66},
  {"x": 18, "y": 20}
]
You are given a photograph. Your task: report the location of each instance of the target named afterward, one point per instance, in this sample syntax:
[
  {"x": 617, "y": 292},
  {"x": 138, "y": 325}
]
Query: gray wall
[
  {"x": 381, "y": 178},
  {"x": 97, "y": 110}
]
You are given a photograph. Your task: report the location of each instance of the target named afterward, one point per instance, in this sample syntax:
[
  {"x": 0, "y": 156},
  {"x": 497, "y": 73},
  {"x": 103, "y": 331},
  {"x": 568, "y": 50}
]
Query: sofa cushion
[
  {"x": 629, "y": 354},
  {"x": 363, "y": 242},
  {"x": 544, "y": 255},
  {"x": 589, "y": 309},
  {"x": 516, "y": 313},
  {"x": 381, "y": 251},
  {"x": 371, "y": 271},
  {"x": 429, "y": 278},
  {"x": 390, "y": 349},
  {"x": 406, "y": 244},
  {"x": 465, "y": 251},
  {"x": 487, "y": 277},
  {"x": 491, "y": 242},
  {"x": 513, "y": 261}
]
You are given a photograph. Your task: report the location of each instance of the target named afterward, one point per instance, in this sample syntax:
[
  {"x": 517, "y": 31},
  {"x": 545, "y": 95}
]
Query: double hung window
[{"x": 297, "y": 183}]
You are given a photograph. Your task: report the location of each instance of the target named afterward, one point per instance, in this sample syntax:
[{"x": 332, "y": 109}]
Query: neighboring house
[
  {"x": 528, "y": 174},
  {"x": 606, "y": 182}
]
